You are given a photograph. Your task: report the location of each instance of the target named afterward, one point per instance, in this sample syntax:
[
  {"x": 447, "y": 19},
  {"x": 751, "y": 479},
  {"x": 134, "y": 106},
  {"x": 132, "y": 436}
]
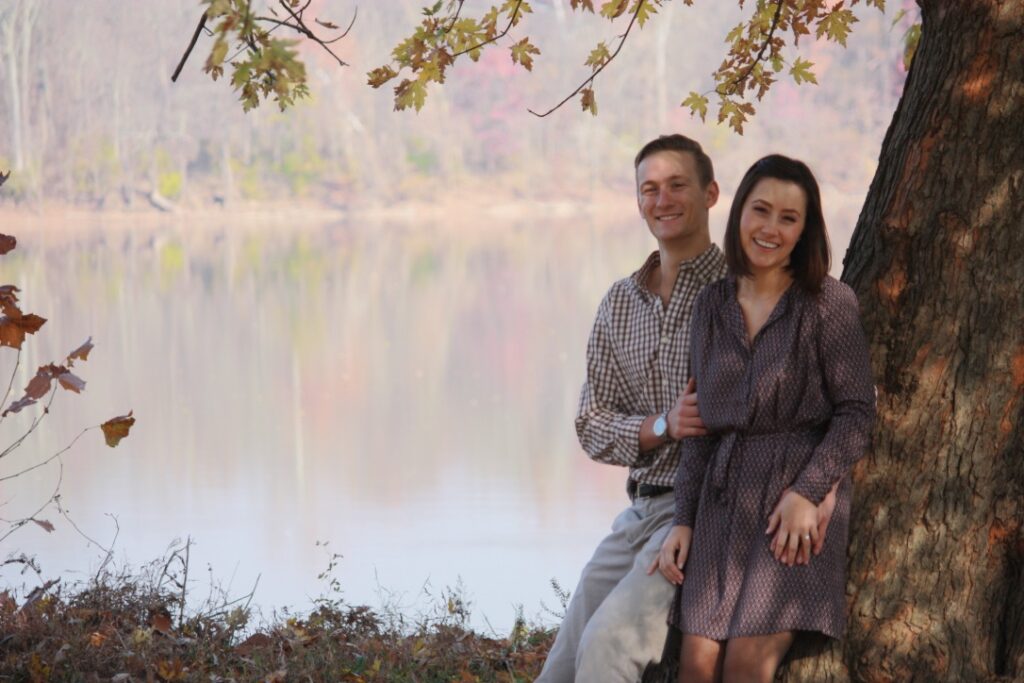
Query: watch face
[{"x": 660, "y": 426}]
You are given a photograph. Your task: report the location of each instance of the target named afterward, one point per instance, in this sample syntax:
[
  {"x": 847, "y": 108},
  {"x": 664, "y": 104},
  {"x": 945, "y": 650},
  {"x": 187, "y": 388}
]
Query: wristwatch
[{"x": 660, "y": 426}]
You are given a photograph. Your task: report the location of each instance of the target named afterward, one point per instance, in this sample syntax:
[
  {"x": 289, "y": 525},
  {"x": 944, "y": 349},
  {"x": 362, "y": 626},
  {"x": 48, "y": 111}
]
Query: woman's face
[{"x": 771, "y": 223}]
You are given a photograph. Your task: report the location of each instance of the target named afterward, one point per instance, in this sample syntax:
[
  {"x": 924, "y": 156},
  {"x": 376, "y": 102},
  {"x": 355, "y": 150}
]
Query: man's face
[{"x": 671, "y": 198}]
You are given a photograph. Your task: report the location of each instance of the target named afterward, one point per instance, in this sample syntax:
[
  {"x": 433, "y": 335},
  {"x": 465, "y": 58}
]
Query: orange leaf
[
  {"x": 14, "y": 326},
  {"x": 116, "y": 428},
  {"x": 160, "y": 620},
  {"x": 7, "y": 243},
  {"x": 96, "y": 639},
  {"x": 43, "y": 523},
  {"x": 279, "y": 676},
  {"x": 82, "y": 352}
]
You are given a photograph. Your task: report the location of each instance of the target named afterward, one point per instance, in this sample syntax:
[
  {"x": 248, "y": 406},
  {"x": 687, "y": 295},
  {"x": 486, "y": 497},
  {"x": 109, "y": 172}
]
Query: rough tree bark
[{"x": 936, "y": 581}]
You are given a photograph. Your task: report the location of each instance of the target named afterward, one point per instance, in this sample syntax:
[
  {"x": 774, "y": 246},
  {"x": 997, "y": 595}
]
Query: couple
[{"x": 725, "y": 536}]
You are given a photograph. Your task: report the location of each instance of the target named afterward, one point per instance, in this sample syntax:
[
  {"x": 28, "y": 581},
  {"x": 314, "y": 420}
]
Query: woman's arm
[{"x": 846, "y": 369}]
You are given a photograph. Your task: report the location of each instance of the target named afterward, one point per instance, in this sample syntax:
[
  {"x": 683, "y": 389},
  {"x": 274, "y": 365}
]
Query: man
[{"x": 634, "y": 406}]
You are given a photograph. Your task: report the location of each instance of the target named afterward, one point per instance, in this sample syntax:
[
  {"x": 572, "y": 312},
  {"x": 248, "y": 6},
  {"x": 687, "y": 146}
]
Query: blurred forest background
[{"x": 89, "y": 115}]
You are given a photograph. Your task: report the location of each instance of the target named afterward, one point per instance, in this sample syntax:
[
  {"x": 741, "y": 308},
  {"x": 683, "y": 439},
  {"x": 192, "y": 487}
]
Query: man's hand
[
  {"x": 684, "y": 417},
  {"x": 672, "y": 557}
]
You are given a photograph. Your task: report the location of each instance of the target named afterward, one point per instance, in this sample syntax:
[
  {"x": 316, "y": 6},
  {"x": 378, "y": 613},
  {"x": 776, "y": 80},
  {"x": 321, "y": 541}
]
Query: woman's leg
[
  {"x": 700, "y": 660},
  {"x": 754, "y": 659}
]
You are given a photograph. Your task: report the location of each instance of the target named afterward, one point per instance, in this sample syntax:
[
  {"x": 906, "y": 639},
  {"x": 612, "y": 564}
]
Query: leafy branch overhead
[
  {"x": 754, "y": 60},
  {"x": 758, "y": 49},
  {"x": 263, "y": 66}
]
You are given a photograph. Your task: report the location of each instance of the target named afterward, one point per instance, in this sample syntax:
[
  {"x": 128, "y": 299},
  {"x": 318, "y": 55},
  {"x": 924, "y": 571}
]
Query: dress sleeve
[
  {"x": 695, "y": 451},
  {"x": 846, "y": 367},
  {"x": 606, "y": 427}
]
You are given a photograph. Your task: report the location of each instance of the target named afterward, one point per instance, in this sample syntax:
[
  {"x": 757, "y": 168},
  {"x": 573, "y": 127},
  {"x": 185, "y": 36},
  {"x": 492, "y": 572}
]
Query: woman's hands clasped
[
  {"x": 799, "y": 536},
  {"x": 672, "y": 557}
]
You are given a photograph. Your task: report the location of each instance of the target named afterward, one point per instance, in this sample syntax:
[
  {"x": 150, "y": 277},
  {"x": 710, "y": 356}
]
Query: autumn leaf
[
  {"x": 116, "y": 428},
  {"x": 380, "y": 76},
  {"x": 698, "y": 104},
  {"x": 4, "y": 177},
  {"x": 39, "y": 385},
  {"x": 81, "y": 353},
  {"x": 7, "y": 243},
  {"x": 47, "y": 526},
  {"x": 613, "y": 9},
  {"x": 521, "y": 52},
  {"x": 598, "y": 56},
  {"x": 643, "y": 9},
  {"x": 17, "y": 406},
  {"x": 801, "y": 71},
  {"x": 585, "y": 4},
  {"x": 836, "y": 25},
  {"x": 71, "y": 382},
  {"x": 588, "y": 102},
  {"x": 96, "y": 639},
  {"x": 160, "y": 620},
  {"x": 14, "y": 328},
  {"x": 410, "y": 94}
]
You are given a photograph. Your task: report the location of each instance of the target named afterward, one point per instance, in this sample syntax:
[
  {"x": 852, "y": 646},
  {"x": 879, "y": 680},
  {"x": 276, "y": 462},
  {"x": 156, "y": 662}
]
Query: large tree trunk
[{"x": 936, "y": 580}]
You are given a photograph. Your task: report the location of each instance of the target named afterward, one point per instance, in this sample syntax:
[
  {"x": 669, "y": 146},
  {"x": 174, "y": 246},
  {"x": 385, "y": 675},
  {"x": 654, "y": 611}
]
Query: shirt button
[{"x": 664, "y": 339}]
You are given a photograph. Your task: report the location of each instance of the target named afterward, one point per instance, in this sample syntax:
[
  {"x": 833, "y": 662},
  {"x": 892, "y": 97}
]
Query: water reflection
[{"x": 402, "y": 390}]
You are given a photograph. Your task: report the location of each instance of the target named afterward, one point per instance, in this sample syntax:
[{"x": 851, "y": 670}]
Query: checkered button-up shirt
[{"x": 638, "y": 365}]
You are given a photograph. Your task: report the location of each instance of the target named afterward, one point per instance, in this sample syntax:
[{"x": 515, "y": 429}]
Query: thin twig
[
  {"x": 191, "y": 46},
  {"x": 10, "y": 385},
  {"x": 309, "y": 34},
  {"x": 590, "y": 81},
  {"x": 511, "y": 22},
  {"x": 14, "y": 526},
  {"x": 740, "y": 80},
  {"x": 184, "y": 582},
  {"x": 32, "y": 428},
  {"x": 55, "y": 455}
]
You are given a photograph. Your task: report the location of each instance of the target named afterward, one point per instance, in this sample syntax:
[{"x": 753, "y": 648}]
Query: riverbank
[{"x": 127, "y": 628}]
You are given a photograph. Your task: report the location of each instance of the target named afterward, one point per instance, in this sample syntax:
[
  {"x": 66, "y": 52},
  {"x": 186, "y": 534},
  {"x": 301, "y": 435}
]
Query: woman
[{"x": 785, "y": 391}]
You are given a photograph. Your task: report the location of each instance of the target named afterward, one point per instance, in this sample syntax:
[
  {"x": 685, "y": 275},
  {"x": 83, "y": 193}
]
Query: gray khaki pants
[{"x": 616, "y": 621}]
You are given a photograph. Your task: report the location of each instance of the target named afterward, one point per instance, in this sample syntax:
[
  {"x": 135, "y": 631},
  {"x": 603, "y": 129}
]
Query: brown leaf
[
  {"x": 160, "y": 620},
  {"x": 4, "y": 177},
  {"x": 39, "y": 385},
  {"x": 43, "y": 523},
  {"x": 7, "y": 243},
  {"x": 71, "y": 382},
  {"x": 116, "y": 428},
  {"x": 256, "y": 641},
  {"x": 96, "y": 639},
  {"x": 23, "y": 402},
  {"x": 14, "y": 326},
  {"x": 82, "y": 352}
]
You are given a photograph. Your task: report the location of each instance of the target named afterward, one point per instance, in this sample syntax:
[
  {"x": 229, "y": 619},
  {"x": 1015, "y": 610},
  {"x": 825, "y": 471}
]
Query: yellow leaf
[
  {"x": 801, "y": 71},
  {"x": 698, "y": 104}
]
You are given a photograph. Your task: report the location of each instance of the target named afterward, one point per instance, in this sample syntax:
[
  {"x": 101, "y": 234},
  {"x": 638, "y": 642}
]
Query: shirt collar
[{"x": 708, "y": 266}]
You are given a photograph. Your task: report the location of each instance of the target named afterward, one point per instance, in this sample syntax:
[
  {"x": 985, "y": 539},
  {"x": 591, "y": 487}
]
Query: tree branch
[
  {"x": 740, "y": 80},
  {"x": 191, "y": 46},
  {"x": 497, "y": 37},
  {"x": 590, "y": 81}
]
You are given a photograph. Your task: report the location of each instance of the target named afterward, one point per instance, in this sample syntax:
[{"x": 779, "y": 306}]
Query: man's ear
[{"x": 711, "y": 194}]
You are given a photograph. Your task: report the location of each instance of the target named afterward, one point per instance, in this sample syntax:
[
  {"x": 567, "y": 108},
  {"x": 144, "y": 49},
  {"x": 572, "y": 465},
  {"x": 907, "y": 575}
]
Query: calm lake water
[{"x": 403, "y": 391}]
